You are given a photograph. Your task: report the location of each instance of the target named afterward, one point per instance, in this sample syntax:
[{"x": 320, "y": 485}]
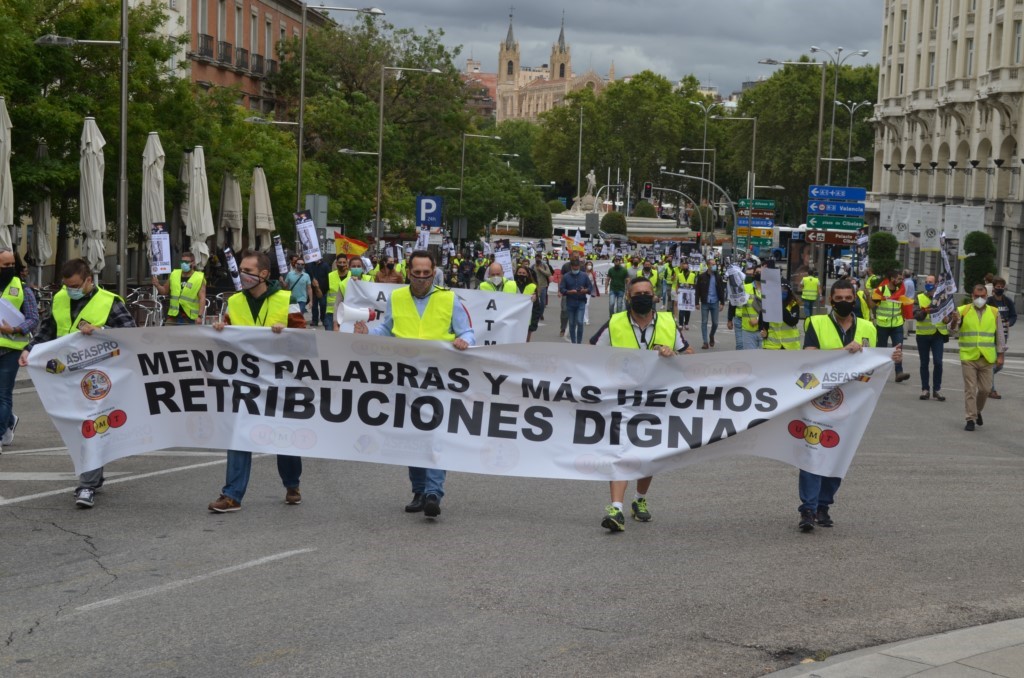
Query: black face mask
[
  {"x": 842, "y": 308},
  {"x": 521, "y": 279},
  {"x": 641, "y": 304},
  {"x": 391, "y": 265},
  {"x": 6, "y": 276}
]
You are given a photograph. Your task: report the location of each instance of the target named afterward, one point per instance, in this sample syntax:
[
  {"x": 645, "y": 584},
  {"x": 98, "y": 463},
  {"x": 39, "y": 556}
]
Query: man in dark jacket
[{"x": 711, "y": 297}]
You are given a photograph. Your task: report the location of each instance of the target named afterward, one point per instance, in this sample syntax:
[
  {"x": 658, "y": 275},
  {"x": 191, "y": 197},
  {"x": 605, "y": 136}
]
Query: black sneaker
[
  {"x": 823, "y": 518},
  {"x": 640, "y": 510},
  {"x": 806, "y": 520},
  {"x": 969, "y": 426},
  {"x": 981, "y": 422},
  {"x": 902, "y": 376},
  {"x": 431, "y": 506},
  {"x": 613, "y": 520},
  {"x": 85, "y": 497},
  {"x": 416, "y": 505}
]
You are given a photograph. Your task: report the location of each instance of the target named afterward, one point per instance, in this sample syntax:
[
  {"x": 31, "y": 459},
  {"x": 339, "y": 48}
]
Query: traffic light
[{"x": 648, "y": 191}]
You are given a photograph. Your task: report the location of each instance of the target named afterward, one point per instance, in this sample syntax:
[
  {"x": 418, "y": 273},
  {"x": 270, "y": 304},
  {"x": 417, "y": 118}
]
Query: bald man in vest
[
  {"x": 420, "y": 310},
  {"x": 81, "y": 306}
]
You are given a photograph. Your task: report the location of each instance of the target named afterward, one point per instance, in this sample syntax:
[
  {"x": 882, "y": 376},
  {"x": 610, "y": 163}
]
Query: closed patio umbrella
[
  {"x": 261, "y": 215},
  {"x": 200, "y": 215},
  {"x": 6, "y": 190},
  {"x": 92, "y": 218},
  {"x": 229, "y": 223}
]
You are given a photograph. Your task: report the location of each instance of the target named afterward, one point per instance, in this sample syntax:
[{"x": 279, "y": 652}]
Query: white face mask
[
  {"x": 497, "y": 280},
  {"x": 980, "y": 302}
]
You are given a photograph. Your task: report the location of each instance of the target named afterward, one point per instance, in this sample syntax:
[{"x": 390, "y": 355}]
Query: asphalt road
[{"x": 517, "y": 577}]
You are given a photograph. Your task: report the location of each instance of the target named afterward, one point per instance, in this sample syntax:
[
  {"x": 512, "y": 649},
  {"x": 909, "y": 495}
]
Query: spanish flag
[
  {"x": 350, "y": 247},
  {"x": 572, "y": 245}
]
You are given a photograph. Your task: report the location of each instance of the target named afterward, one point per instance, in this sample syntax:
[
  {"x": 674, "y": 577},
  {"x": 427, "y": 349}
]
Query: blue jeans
[
  {"x": 751, "y": 340},
  {"x": 893, "y": 333},
  {"x": 542, "y": 297},
  {"x": 320, "y": 312},
  {"x": 8, "y": 375},
  {"x": 329, "y": 321},
  {"x": 427, "y": 480},
  {"x": 576, "y": 313},
  {"x": 240, "y": 464},
  {"x": 616, "y": 301},
  {"x": 929, "y": 347},
  {"x": 705, "y": 310},
  {"x": 302, "y": 307},
  {"x": 808, "y": 307},
  {"x": 817, "y": 491}
]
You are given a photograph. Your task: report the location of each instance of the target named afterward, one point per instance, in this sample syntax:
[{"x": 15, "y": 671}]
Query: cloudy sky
[{"x": 719, "y": 41}]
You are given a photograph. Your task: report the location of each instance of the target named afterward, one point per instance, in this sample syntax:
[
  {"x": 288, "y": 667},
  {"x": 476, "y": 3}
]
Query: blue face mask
[
  {"x": 185, "y": 267},
  {"x": 929, "y": 287},
  {"x": 356, "y": 272},
  {"x": 75, "y": 293}
]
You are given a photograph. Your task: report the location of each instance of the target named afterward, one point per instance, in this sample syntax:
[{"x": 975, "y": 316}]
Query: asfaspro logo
[{"x": 90, "y": 355}]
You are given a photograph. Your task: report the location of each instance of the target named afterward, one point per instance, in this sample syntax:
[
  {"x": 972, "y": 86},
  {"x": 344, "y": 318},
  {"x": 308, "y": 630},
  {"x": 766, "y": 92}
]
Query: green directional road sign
[
  {"x": 758, "y": 204},
  {"x": 761, "y": 242},
  {"x": 834, "y": 223}
]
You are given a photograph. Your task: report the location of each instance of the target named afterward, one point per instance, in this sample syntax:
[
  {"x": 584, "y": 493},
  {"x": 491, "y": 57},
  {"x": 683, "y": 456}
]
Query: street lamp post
[
  {"x": 706, "y": 107},
  {"x": 837, "y": 60},
  {"x": 852, "y": 109},
  {"x": 821, "y": 105},
  {"x": 122, "y": 180},
  {"x": 753, "y": 148},
  {"x": 380, "y": 139}
]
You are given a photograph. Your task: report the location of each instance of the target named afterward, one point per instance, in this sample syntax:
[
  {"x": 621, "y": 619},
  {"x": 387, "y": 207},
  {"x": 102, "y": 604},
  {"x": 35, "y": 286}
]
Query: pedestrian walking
[
  {"x": 1002, "y": 302},
  {"x": 890, "y": 296},
  {"x": 711, "y": 298},
  {"x": 931, "y": 340},
  {"x": 575, "y": 287},
  {"x": 981, "y": 348},
  {"x": 13, "y": 339}
]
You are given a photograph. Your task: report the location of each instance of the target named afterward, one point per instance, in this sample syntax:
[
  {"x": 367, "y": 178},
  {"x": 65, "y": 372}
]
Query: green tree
[
  {"x": 882, "y": 249},
  {"x": 645, "y": 209},
  {"x": 980, "y": 260},
  {"x": 556, "y": 206},
  {"x": 614, "y": 222}
]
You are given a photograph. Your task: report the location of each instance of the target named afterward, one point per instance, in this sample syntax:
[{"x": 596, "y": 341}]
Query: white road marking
[
  {"x": 36, "y": 450},
  {"x": 141, "y": 476},
  {"x": 170, "y": 586},
  {"x": 29, "y": 476}
]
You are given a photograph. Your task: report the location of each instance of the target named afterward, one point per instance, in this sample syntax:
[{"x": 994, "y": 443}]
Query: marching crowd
[{"x": 651, "y": 305}]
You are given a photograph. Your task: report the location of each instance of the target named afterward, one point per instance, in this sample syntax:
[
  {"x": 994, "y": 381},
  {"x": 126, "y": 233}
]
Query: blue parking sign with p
[{"x": 428, "y": 211}]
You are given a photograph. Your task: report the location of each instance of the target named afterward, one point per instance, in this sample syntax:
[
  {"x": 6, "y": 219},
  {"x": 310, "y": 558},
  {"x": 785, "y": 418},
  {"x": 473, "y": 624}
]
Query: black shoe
[
  {"x": 806, "y": 520},
  {"x": 981, "y": 422},
  {"x": 823, "y": 518},
  {"x": 969, "y": 426},
  {"x": 431, "y": 506},
  {"x": 938, "y": 396},
  {"x": 416, "y": 505},
  {"x": 902, "y": 376}
]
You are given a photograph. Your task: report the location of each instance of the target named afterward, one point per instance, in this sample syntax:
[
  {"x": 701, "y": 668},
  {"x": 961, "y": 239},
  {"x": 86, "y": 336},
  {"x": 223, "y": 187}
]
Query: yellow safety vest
[
  {"x": 977, "y": 337},
  {"x": 333, "y": 287},
  {"x": 343, "y": 286},
  {"x": 436, "y": 321},
  {"x": 528, "y": 290},
  {"x": 274, "y": 310},
  {"x": 508, "y": 286},
  {"x": 688, "y": 278},
  {"x": 747, "y": 311},
  {"x": 865, "y": 310},
  {"x": 810, "y": 292},
  {"x": 782, "y": 337},
  {"x": 828, "y": 336},
  {"x": 621, "y": 332},
  {"x": 888, "y": 312},
  {"x": 95, "y": 312},
  {"x": 653, "y": 278},
  {"x": 926, "y": 328},
  {"x": 187, "y": 295},
  {"x": 15, "y": 293}
]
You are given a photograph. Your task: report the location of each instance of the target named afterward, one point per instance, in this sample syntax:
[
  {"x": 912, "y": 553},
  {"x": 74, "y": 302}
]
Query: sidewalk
[{"x": 989, "y": 650}]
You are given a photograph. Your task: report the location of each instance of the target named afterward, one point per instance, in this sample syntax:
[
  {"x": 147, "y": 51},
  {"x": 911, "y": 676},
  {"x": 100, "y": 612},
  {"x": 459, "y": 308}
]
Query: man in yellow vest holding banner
[
  {"x": 422, "y": 311},
  {"x": 13, "y": 339},
  {"x": 981, "y": 347},
  {"x": 931, "y": 339},
  {"x": 496, "y": 281},
  {"x": 261, "y": 303},
  {"x": 187, "y": 290},
  {"x": 81, "y": 306},
  {"x": 841, "y": 329},
  {"x": 638, "y": 327}
]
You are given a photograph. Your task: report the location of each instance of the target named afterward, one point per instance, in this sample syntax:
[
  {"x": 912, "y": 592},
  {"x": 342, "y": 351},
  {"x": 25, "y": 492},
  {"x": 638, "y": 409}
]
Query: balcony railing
[
  {"x": 205, "y": 46},
  {"x": 271, "y": 66},
  {"x": 257, "y": 64},
  {"x": 242, "y": 58},
  {"x": 225, "y": 52}
]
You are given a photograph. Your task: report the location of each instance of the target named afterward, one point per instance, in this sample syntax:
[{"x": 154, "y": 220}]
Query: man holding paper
[{"x": 19, "y": 317}]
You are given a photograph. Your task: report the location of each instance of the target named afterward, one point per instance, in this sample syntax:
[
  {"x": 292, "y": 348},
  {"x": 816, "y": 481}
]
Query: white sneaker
[
  {"x": 8, "y": 437},
  {"x": 85, "y": 497}
]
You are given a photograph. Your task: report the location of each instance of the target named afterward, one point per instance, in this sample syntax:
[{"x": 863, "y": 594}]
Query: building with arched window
[
  {"x": 948, "y": 121},
  {"x": 524, "y": 92}
]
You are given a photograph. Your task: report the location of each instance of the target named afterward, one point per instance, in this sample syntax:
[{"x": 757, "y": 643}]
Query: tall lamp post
[
  {"x": 838, "y": 60},
  {"x": 373, "y": 11},
  {"x": 706, "y": 108},
  {"x": 751, "y": 190},
  {"x": 852, "y": 109},
  {"x": 122, "y": 181},
  {"x": 821, "y": 105},
  {"x": 380, "y": 139}
]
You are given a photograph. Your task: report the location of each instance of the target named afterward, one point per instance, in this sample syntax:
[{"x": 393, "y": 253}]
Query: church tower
[
  {"x": 508, "y": 57},
  {"x": 561, "y": 57}
]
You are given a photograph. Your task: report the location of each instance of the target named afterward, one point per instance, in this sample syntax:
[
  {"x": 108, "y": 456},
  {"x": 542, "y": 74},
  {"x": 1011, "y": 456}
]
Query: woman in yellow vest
[
  {"x": 638, "y": 327},
  {"x": 840, "y": 329},
  {"x": 80, "y": 306},
  {"x": 355, "y": 271},
  {"x": 422, "y": 311},
  {"x": 187, "y": 290},
  {"x": 684, "y": 279},
  {"x": 525, "y": 285},
  {"x": 981, "y": 347},
  {"x": 13, "y": 339},
  {"x": 261, "y": 303},
  {"x": 785, "y": 335},
  {"x": 931, "y": 339}
]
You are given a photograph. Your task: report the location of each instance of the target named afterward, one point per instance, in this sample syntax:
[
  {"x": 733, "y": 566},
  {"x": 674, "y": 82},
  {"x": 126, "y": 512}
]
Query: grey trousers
[{"x": 91, "y": 479}]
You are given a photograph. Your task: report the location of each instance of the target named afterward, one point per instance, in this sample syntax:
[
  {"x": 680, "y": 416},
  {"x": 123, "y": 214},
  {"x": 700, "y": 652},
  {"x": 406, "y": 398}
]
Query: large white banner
[
  {"x": 886, "y": 207},
  {"x": 928, "y": 226},
  {"x": 547, "y": 410},
  {"x": 902, "y": 215},
  {"x": 497, "y": 317}
]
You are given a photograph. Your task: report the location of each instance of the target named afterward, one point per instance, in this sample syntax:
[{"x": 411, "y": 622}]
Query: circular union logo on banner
[
  {"x": 830, "y": 401},
  {"x": 95, "y": 385}
]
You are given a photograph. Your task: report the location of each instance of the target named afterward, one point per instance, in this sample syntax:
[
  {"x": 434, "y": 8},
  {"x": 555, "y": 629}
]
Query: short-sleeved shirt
[{"x": 617, "y": 278}]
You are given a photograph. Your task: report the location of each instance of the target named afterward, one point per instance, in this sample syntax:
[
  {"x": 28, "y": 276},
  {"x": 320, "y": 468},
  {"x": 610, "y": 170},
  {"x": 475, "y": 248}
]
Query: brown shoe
[
  {"x": 938, "y": 396},
  {"x": 902, "y": 376},
  {"x": 995, "y": 395},
  {"x": 224, "y": 504},
  {"x": 293, "y": 497},
  {"x": 705, "y": 345}
]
